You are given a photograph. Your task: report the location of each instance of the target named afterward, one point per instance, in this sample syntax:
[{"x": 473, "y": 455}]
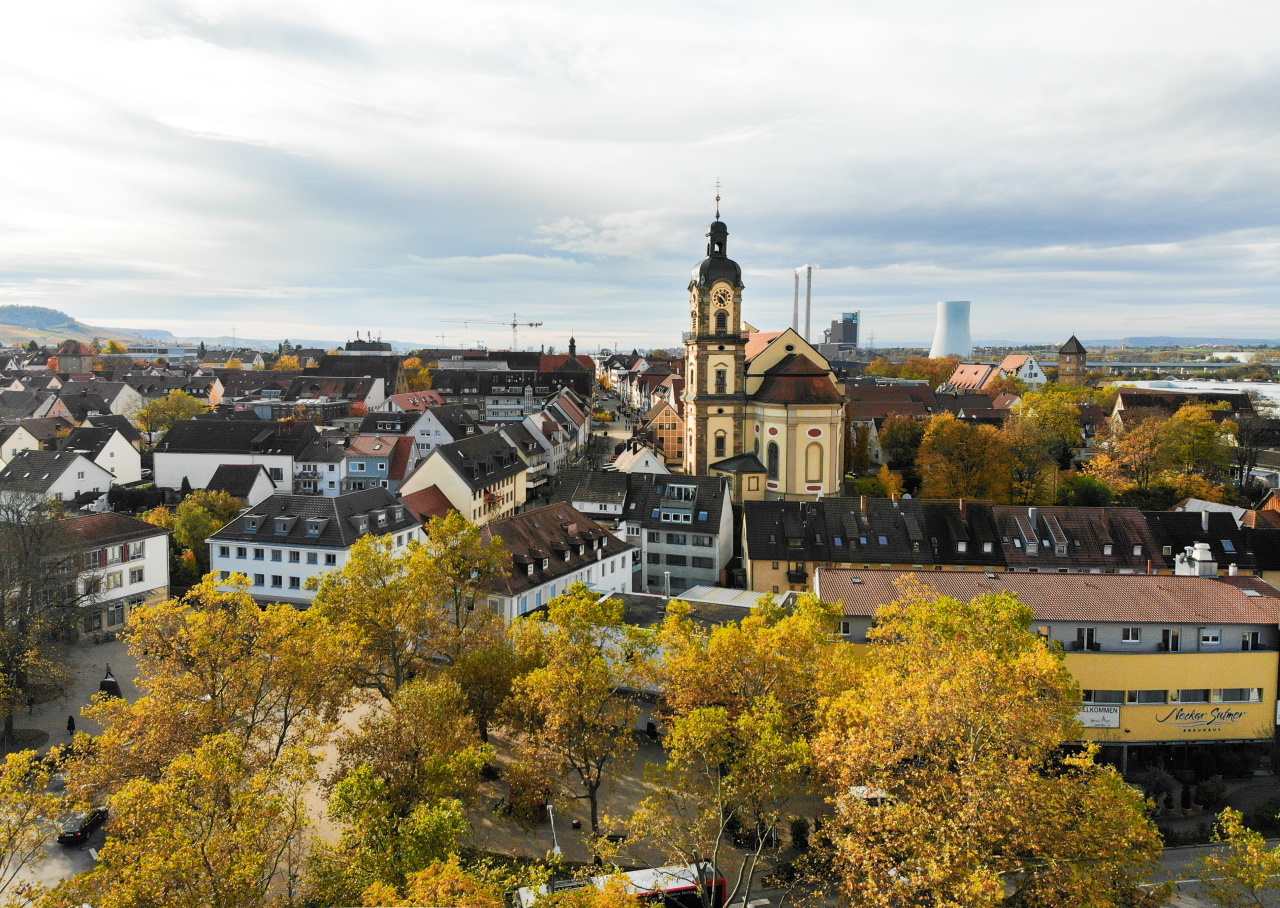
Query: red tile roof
[
  {"x": 427, "y": 503},
  {"x": 796, "y": 379},
  {"x": 757, "y": 342},
  {"x": 417, "y": 401},
  {"x": 1073, "y": 597}
]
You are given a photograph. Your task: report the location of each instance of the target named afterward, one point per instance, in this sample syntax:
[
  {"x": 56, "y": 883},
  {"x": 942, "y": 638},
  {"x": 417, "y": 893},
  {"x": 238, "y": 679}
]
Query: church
[{"x": 761, "y": 408}]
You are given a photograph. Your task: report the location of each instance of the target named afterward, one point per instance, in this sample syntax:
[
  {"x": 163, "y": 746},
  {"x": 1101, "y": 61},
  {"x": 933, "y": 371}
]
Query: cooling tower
[{"x": 951, "y": 337}]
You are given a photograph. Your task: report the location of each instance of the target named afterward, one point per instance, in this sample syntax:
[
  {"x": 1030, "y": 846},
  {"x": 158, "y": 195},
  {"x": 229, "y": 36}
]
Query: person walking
[{"x": 71, "y": 725}]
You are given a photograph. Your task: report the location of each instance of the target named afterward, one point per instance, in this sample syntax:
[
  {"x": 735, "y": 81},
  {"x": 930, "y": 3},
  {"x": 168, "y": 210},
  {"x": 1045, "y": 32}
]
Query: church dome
[{"x": 717, "y": 266}]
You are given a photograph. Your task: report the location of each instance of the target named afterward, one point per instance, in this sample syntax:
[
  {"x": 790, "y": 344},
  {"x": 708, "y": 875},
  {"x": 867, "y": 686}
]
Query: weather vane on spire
[{"x": 717, "y": 198}]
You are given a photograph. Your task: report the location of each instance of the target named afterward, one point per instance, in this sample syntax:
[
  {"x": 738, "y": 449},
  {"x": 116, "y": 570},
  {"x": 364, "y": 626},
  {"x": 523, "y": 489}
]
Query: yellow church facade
[{"x": 759, "y": 405}]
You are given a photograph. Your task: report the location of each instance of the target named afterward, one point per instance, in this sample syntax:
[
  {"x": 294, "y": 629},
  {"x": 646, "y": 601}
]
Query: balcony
[
  {"x": 800, "y": 576},
  {"x": 729, "y": 337}
]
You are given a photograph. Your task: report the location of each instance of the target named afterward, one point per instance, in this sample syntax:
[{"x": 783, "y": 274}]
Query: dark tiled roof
[
  {"x": 1264, "y": 542},
  {"x": 307, "y": 387},
  {"x": 324, "y": 449},
  {"x": 237, "y": 480},
  {"x": 46, "y": 428},
  {"x": 1171, "y": 401},
  {"x": 235, "y": 437},
  {"x": 873, "y": 531},
  {"x": 545, "y": 536},
  {"x": 591, "y": 485},
  {"x": 747, "y": 462},
  {"x": 109, "y": 529},
  {"x": 338, "y": 519},
  {"x": 482, "y": 460},
  {"x": 35, "y": 471},
  {"x": 20, "y": 404},
  {"x": 1179, "y": 530},
  {"x": 120, "y": 423},
  {"x": 1086, "y": 533},
  {"x": 382, "y": 423},
  {"x": 1072, "y": 346},
  {"x": 796, "y": 379},
  {"x": 82, "y": 403},
  {"x": 88, "y": 441},
  {"x": 1074, "y": 597},
  {"x": 455, "y": 420}
]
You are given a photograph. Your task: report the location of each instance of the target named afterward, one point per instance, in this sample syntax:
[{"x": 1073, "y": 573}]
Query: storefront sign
[
  {"x": 1201, "y": 718},
  {"x": 1100, "y": 716}
]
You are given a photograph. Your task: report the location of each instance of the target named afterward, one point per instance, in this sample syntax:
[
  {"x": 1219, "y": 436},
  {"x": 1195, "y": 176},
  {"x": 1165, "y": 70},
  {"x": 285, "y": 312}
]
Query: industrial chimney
[{"x": 951, "y": 336}]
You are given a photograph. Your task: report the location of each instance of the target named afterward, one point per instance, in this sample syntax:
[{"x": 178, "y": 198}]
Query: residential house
[
  {"x": 412, "y": 401},
  {"x": 121, "y": 424},
  {"x": 664, "y": 427},
  {"x": 194, "y": 449},
  {"x": 109, "y": 449},
  {"x": 1181, "y": 661},
  {"x": 483, "y": 476},
  {"x": 23, "y": 404},
  {"x": 1140, "y": 403},
  {"x": 120, "y": 397},
  {"x": 121, "y": 562},
  {"x": 537, "y": 457},
  {"x": 248, "y": 482},
  {"x": 321, "y": 468},
  {"x": 15, "y": 438},
  {"x": 551, "y": 548},
  {"x": 1079, "y": 540},
  {"x": 74, "y": 356},
  {"x": 378, "y": 460},
  {"x": 57, "y": 475},
  {"x": 286, "y": 540},
  {"x": 637, "y": 458},
  {"x": 981, "y": 376},
  {"x": 48, "y": 431}
]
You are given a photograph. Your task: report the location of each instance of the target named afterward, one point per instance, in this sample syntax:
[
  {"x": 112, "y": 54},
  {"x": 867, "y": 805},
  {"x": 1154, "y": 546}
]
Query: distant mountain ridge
[{"x": 20, "y": 324}]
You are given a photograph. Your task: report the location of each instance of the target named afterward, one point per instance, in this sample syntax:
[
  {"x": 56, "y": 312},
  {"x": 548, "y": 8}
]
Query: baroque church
[{"x": 760, "y": 407}]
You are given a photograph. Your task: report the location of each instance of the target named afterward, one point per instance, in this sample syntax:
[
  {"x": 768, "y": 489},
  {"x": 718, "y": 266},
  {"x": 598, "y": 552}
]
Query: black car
[{"x": 77, "y": 828}]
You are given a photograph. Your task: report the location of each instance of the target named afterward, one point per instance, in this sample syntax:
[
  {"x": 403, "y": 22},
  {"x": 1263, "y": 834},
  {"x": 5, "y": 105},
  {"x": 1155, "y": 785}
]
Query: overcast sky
[{"x": 308, "y": 169}]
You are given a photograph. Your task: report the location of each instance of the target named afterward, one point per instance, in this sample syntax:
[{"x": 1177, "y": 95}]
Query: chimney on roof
[
  {"x": 962, "y": 509},
  {"x": 1204, "y": 521},
  {"x": 1032, "y": 515},
  {"x": 863, "y": 507},
  {"x": 1233, "y": 570}
]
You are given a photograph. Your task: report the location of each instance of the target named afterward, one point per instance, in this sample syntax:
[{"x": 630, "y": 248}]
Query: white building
[
  {"x": 286, "y": 540},
  {"x": 193, "y": 450},
  {"x": 57, "y": 475},
  {"x": 121, "y": 562}
]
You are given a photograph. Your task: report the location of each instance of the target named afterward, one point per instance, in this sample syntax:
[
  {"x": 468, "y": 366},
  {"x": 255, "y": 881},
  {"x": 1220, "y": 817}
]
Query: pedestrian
[
  {"x": 71, "y": 725},
  {"x": 31, "y": 704}
]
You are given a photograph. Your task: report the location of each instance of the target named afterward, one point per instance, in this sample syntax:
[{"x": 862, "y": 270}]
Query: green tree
[
  {"x": 460, "y": 568},
  {"x": 900, "y": 438},
  {"x": 1028, "y": 461},
  {"x": 1085, "y": 491},
  {"x": 951, "y": 785},
  {"x": 1056, "y": 413},
  {"x": 159, "y": 416},
  {"x": 1193, "y": 442},
  {"x": 576, "y": 717}
]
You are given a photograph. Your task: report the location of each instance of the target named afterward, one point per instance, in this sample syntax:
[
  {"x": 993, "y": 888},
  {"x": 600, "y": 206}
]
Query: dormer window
[
  {"x": 252, "y": 522},
  {"x": 546, "y": 562},
  {"x": 530, "y": 570},
  {"x": 567, "y": 553}
]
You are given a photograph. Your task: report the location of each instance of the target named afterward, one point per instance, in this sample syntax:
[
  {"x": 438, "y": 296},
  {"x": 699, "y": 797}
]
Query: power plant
[{"x": 951, "y": 336}]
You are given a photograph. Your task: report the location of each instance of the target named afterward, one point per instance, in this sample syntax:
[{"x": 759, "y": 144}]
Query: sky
[{"x": 310, "y": 169}]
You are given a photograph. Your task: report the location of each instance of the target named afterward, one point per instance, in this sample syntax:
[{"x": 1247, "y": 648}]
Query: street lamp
[{"x": 551, "y": 814}]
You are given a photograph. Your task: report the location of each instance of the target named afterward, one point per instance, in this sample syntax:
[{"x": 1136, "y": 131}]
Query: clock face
[{"x": 722, "y": 298}]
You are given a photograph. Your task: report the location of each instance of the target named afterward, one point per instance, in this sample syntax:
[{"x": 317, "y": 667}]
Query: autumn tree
[
  {"x": 28, "y": 817},
  {"x": 460, "y": 568},
  {"x": 288, "y": 363},
  {"x": 935, "y": 371},
  {"x": 741, "y": 705},
  {"x": 1193, "y": 442},
  {"x": 442, "y": 883},
  {"x": 115, "y": 348},
  {"x": 952, "y": 787},
  {"x": 959, "y": 459},
  {"x": 235, "y": 363},
  {"x": 160, "y": 415},
  {"x": 197, "y": 517},
  {"x": 900, "y": 438},
  {"x": 575, "y": 712},
  {"x": 216, "y": 830},
  {"x": 1056, "y": 413},
  {"x": 215, "y": 662},
  {"x": 1027, "y": 461},
  {"x": 417, "y": 375},
  {"x": 1245, "y": 873}
]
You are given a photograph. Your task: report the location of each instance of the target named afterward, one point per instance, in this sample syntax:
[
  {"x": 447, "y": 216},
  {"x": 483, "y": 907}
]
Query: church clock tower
[{"x": 715, "y": 347}]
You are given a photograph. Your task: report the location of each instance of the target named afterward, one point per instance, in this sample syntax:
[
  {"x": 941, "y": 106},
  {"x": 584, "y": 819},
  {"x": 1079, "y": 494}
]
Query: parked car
[{"x": 77, "y": 828}]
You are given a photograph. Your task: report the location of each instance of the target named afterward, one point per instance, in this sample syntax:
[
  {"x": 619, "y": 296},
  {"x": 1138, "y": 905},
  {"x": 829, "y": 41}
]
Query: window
[
  {"x": 1193, "y": 695},
  {"x": 1130, "y": 635},
  {"x": 135, "y": 575},
  {"x": 703, "y": 541},
  {"x": 986, "y": 548},
  {"x": 1085, "y": 638},
  {"x": 722, "y": 322},
  {"x": 295, "y": 583},
  {"x": 276, "y": 473},
  {"x": 330, "y": 558},
  {"x": 846, "y": 628},
  {"x": 115, "y": 614},
  {"x": 677, "y": 560},
  {"x": 1171, "y": 640},
  {"x": 1148, "y": 696},
  {"x": 242, "y": 552},
  {"x": 1250, "y": 640},
  {"x": 357, "y": 466},
  {"x": 772, "y": 457},
  {"x": 259, "y": 554},
  {"x": 654, "y": 558},
  {"x": 224, "y": 551},
  {"x": 1106, "y": 549},
  {"x": 295, "y": 557},
  {"x": 1210, "y": 636},
  {"x": 259, "y": 579},
  {"x": 676, "y": 539},
  {"x": 115, "y": 580},
  {"x": 277, "y": 580},
  {"x": 721, "y": 442},
  {"x": 654, "y": 536},
  {"x": 1228, "y": 546},
  {"x": 704, "y": 563},
  {"x": 382, "y": 466},
  {"x": 80, "y": 475},
  {"x": 722, "y": 381},
  {"x": 1103, "y": 696},
  {"x": 1137, "y": 550},
  {"x": 276, "y": 555},
  {"x": 1238, "y": 695},
  {"x": 962, "y": 546},
  {"x": 312, "y": 558}
]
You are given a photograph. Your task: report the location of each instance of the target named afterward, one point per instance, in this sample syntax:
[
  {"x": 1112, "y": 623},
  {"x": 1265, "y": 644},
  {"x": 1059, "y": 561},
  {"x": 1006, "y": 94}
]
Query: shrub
[
  {"x": 1211, "y": 791},
  {"x": 800, "y": 834}
]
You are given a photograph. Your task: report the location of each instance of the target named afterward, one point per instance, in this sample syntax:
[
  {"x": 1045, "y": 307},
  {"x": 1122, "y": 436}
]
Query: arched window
[
  {"x": 722, "y": 323},
  {"x": 722, "y": 381},
  {"x": 813, "y": 463},
  {"x": 773, "y": 459},
  {"x": 721, "y": 441}
]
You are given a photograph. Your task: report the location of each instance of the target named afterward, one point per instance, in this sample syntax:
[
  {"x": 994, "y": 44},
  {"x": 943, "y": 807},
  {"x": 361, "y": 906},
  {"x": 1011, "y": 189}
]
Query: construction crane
[{"x": 513, "y": 324}]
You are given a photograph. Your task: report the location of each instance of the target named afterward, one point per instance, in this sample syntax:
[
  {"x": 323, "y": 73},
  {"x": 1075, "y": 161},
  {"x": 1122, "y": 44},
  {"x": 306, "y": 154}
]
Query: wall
[{"x": 199, "y": 468}]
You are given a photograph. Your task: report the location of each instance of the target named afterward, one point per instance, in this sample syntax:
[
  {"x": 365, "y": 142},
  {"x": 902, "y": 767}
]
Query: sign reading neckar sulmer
[
  {"x": 1100, "y": 716},
  {"x": 1201, "y": 718}
]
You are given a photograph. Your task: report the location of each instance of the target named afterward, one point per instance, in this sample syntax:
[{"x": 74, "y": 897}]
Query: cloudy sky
[{"x": 313, "y": 168}]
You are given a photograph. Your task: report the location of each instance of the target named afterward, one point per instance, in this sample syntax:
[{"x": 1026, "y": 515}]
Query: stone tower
[{"x": 1071, "y": 362}]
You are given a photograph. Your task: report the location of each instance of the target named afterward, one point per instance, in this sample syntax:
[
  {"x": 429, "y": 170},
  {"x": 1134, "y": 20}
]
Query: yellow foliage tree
[
  {"x": 288, "y": 363},
  {"x": 959, "y": 459}
]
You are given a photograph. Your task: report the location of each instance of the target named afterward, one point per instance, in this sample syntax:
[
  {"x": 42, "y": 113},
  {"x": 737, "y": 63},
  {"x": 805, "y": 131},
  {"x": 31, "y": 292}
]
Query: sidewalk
[{"x": 88, "y": 665}]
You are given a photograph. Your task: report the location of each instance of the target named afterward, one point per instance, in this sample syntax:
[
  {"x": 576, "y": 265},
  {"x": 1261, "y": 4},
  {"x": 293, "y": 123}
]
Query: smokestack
[
  {"x": 951, "y": 335},
  {"x": 808, "y": 298},
  {"x": 795, "y": 305}
]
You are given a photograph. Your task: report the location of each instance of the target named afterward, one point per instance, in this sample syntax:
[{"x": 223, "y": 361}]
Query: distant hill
[{"x": 20, "y": 324}]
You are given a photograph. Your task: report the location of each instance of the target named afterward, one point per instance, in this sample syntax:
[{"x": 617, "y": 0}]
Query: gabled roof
[
  {"x": 649, "y": 495},
  {"x": 796, "y": 379},
  {"x": 37, "y": 471},
  {"x": 234, "y": 437},
  {"x": 427, "y": 503},
  {"x": 417, "y": 400},
  {"x": 1182, "y": 529},
  {"x": 315, "y": 520},
  {"x": 373, "y": 445},
  {"x": 747, "y": 462},
  {"x": 591, "y": 486},
  {"x": 237, "y": 479},
  {"x": 1078, "y": 538},
  {"x": 46, "y": 428},
  {"x": 120, "y": 423},
  {"x": 481, "y": 460},
  {"x": 1074, "y": 597},
  {"x": 757, "y": 342},
  {"x": 384, "y": 422},
  {"x": 20, "y": 404},
  {"x": 95, "y": 530},
  {"x": 542, "y": 538},
  {"x": 455, "y": 420},
  {"x": 88, "y": 441}
]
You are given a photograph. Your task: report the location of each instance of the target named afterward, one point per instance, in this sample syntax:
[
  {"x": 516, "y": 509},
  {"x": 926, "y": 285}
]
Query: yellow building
[
  {"x": 482, "y": 477},
  {"x": 1163, "y": 662},
  {"x": 771, "y": 394}
]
